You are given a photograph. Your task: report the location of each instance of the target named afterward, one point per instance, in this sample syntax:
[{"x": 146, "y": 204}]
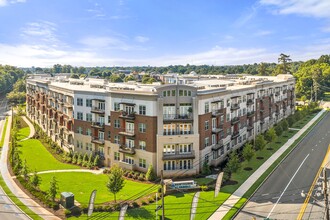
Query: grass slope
[
  {"x": 82, "y": 184},
  {"x": 38, "y": 158}
]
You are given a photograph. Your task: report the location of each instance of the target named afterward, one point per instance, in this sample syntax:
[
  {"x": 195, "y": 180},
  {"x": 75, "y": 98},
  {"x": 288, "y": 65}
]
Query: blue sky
[{"x": 161, "y": 32}]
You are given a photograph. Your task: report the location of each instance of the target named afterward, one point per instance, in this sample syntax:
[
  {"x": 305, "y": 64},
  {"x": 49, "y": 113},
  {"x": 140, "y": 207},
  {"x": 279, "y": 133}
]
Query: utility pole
[
  {"x": 162, "y": 185},
  {"x": 326, "y": 194}
]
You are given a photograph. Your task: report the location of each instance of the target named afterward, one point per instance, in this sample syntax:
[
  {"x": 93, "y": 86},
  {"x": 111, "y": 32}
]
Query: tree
[
  {"x": 129, "y": 78},
  {"x": 35, "y": 180},
  {"x": 262, "y": 69},
  {"x": 116, "y": 180},
  {"x": 53, "y": 188},
  {"x": 150, "y": 175},
  {"x": 248, "y": 152},
  {"x": 233, "y": 164},
  {"x": 284, "y": 124},
  {"x": 278, "y": 129},
  {"x": 25, "y": 171},
  {"x": 284, "y": 61},
  {"x": 96, "y": 160},
  {"x": 260, "y": 142},
  {"x": 206, "y": 169},
  {"x": 270, "y": 135}
]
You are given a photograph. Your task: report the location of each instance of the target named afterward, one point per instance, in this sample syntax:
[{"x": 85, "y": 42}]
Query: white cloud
[
  {"x": 141, "y": 39},
  {"x": 6, "y": 2},
  {"x": 314, "y": 8},
  {"x": 263, "y": 33},
  {"x": 44, "y": 31}
]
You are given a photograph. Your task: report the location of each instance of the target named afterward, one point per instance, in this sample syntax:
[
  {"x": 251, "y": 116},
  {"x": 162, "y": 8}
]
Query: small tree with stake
[
  {"x": 116, "y": 180},
  {"x": 53, "y": 188}
]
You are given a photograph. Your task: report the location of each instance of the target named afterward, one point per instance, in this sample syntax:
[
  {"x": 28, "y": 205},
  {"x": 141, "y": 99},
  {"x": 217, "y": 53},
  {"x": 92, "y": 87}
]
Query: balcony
[
  {"x": 97, "y": 140},
  {"x": 277, "y": 93},
  {"x": 262, "y": 121},
  {"x": 250, "y": 114},
  {"x": 234, "y": 135},
  {"x": 127, "y": 166},
  {"x": 127, "y": 150},
  {"x": 234, "y": 106},
  {"x": 235, "y": 120},
  {"x": 216, "y": 130},
  {"x": 262, "y": 109},
  {"x": 127, "y": 132},
  {"x": 177, "y": 117},
  {"x": 97, "y": 110},
  {"x": 217, "y": 112},
  {"x": 250, "y": 102},
  {"x": 179, "y": 155},
  {"x": 68, "y": 105},
  {"x": 127, "y": 115},
  {"x": 217, "y": 146},
  {"x": 249, "y": 127},
  {"x": 97, "y": 125}
]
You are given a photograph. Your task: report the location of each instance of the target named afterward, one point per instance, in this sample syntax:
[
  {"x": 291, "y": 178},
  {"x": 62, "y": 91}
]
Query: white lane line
[
  {"x": 287, "y": 186},
  {"x": 266, "y": 194}
]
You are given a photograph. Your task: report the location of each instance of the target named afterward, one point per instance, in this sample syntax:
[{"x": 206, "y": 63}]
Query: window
[
  {"x": 169, "y": 149},
  {"x": 206, "y": 125},
  {"x": 168, "y": 93},
  {"x": 101, "y": 105},
  {"x": 129, "y": 143},
  {"x": 88, "y": 132},
  {"x": 142, "y": 145},
  {"x": 180, "y": 92},
  {"x": 129, "y": 127},
  {"x": 109, "y": 119},
  {"x": 88, "y": 103},
  {"x": 228, "y": 117},
  {"x": 142, "y": 109},
  {"x": 185, "y": 148},
  {"x": 206, "y": 159},
  {"x": 117, "y": 123},
  {"x": 116, "y": 106},
  {"x": 142, "y": 127},
  {"x": 185, "y": 164},
  {"x": 207, "y": 142},
  {"x": 142, "y": 163},
  {"x": 117, "y": 156},
  {"x": 109, "y": 134},
  {"x": 80, "y": 116},
  {"x": 89, "y": 146},
  {"x": 173, "y": 92},
  {"x": 79, "y": 130},
  {"x": 80, "y": 102},
  {"x": 169, "y": 165},
  {"x": 207, "y": 107},
  {"x": 116, "y": 139},
  {"x": 214, "y": 140},
  {"x": 185, "y": 128},
  {"x": 214, "y": 123},
  {"x": 88, "y": 117},
  {"x": 169, "y": 129},
  {"x": 129, "y": 160},
  {"x": 228, "y": 146}
]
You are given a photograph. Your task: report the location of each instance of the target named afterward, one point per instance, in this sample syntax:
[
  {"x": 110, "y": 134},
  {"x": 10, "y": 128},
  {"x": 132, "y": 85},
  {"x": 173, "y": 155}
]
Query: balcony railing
[
  {"x": 97, "y": 110},
  {"x": 127, "y": 132},
  {"x": 249, "y": 127},
  {"x": 234, "y": 135},
  {"x": 250, "y": 114},
  {"x": 249, "y": 102},
  {"x": 217, "y": 112},
  {"x": 217, "y": 130},
  {"x": 97, "y": 140},
  {"x": 127, "y": 150},
  {"x": 97, "y": 124},
  {"x": 179, "y": 155},
  {"x": 177, "y": 117},
  {"x": 217, "y": 146},
  {"x": 277, "y": 93},
  {"x": 177, "y": 132},
  {"x": 262, "y": 121},
  {"x": 234, "y": 120},
  {"x": 127, "y": 115},
  {"x": 234, "y": 106}
]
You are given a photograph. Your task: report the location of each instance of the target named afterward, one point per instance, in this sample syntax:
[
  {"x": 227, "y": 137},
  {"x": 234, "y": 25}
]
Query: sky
[{"x": 42, "y": 33}]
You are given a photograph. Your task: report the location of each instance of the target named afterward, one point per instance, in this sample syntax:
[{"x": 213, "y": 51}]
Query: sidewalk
[
  {"x": 238, "y": 194},
  {"x": 35, "y": 207},
  {"x": 32, "y": 130}
]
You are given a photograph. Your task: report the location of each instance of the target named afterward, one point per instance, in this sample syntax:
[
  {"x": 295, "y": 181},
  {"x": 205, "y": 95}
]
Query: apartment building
[{"x": 174, "y": 127}]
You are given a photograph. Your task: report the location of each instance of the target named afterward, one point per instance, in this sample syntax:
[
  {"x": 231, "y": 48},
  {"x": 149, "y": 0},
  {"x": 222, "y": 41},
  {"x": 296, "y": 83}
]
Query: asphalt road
[
  {"x": 283, "y": 193},
  {"x": 8, "y": 211}
]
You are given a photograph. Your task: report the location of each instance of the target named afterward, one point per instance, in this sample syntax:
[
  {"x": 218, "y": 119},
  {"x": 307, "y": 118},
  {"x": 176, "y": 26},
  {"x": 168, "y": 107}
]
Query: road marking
[
  {"x": 309, "y": 194},
  {"x": 287, "y": 186},
  {"x": 266, "y": 194}
]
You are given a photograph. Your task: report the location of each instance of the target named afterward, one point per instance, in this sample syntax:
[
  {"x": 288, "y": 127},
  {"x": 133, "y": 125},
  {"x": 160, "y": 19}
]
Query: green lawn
[
  {"x": 38, "y": 158},
  {"x": 4, "y": 133},
  {"x": 23, "y": 133},
  {"x": 204, "y": 181},
  {"x": 82, "y": 184}
]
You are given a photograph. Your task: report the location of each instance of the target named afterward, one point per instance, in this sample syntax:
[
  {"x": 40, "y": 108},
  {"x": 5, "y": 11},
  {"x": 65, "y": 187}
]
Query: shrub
[
  {"x": 135, "y": 205},
  {"x": 67, "y": 213},
  {"x": 141, "y": 177},
  {"x": 260, "y": 142},
  {"x": 144, "y": 203},
  {"x": 278, "y": 129},
  {"x": 150, "y": 176},
  {"x": 204, "y": 188},
  {"x": 284, "y": 125},
  {"x": 151, "y": 200}
]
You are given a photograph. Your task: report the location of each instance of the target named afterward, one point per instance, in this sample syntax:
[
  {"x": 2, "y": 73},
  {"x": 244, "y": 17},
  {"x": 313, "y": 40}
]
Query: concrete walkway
[
  {"x": 32, "y": 130},
  {"x": 35, "y": 207},
  {"x": 238, "y": 194}
]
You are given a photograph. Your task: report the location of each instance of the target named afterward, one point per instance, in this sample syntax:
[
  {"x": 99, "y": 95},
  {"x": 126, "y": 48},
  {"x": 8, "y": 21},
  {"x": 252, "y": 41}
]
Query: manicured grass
[
  {"x": 4, "y": 133},
  {"x": 82, "y": 184},
  {"x": 17, "y": 201},
  {"x": 23, "y": 133},
  {"x": 38, "y": 158},
  {"x": 204, "y": 181}
]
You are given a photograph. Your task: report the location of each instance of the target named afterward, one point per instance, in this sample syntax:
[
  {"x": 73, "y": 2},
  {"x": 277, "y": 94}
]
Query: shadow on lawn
[{"x": 140, "y": 213}]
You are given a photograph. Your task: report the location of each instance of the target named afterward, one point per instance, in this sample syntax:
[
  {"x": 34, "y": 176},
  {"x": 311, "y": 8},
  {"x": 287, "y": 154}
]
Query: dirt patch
[
  {"x": 230, "y": 182},
  {"x": 260, "y": 158},
  {"x": 248, "y": 168}
]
